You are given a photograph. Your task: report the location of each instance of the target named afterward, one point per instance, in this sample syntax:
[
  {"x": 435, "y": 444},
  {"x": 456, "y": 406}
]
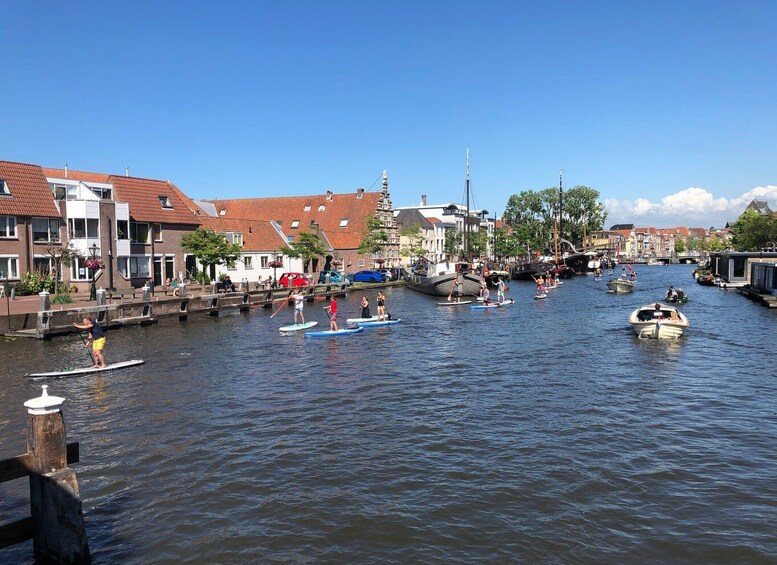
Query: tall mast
[
  {"x": 466, "y": 219},
  {"x": 560, "y": 204}
]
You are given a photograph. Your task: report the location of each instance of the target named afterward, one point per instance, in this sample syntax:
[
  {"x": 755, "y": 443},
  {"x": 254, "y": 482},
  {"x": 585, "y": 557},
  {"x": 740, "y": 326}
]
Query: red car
[{"x": 293, "y": 279}]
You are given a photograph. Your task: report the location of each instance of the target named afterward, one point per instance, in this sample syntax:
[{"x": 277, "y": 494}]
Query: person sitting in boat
[
  {"x": 674, "y": 316},
  {"x": 658, "y": 313},
  {"x": 670, "y": 293},
  {"x": 680, "y": 295}
]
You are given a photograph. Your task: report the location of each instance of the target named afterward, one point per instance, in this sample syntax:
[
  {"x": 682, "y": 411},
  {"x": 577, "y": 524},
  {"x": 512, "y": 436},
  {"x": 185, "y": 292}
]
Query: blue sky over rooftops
[{"x": 666, "y": 108}]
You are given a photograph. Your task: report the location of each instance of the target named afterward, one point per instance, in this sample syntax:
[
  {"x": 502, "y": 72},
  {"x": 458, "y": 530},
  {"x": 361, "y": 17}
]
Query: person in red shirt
[{"x": 332, "y": 309}]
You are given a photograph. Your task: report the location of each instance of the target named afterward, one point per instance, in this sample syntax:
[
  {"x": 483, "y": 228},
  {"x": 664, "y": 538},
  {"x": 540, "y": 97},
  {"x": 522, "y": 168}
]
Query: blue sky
[{"x": 667, "y": 108}]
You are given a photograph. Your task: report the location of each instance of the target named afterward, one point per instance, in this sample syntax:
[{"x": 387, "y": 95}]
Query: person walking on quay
[
  {"x": 332, "y": 311},
  {"x": 381, "y": 300},
  {"x": 299, "y": 302},
  {"x": 96, "y": 337},
  {"x": 365, "y": 307}
]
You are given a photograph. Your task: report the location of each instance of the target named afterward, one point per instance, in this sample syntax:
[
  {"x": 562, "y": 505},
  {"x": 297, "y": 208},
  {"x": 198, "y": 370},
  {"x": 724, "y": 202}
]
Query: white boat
[
  {"x": 620, "y": 286},
  {"x": 658, "y": 321},
  {"x": 656, "y": 263}
]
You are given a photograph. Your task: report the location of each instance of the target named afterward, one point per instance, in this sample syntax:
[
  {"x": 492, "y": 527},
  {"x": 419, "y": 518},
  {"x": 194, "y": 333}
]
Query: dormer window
[
  {"x": 223, "y": 212},
  {"x": 307, "y": 207},
  {"x": 4, "y": 188},
  {"x": 165, "y": 202},
  {"x": 344, "y": 223},
  {"x": 321, "y": 208},
  {"x": 294, "y": 224}
]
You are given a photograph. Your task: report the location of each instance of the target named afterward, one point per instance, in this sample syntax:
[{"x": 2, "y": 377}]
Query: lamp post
[
  {"x": 275, "y": 264},
  {"x": 92, "y": 263}
]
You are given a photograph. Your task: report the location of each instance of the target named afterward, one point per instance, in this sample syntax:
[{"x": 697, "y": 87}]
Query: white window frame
[
  {"x": 157, "y": 233},
  {"x": 344, "y": 223},
  {"x": 248, "y": 262},
  {"x": 165, "y": 202},
  {"x": 307, "y": 208},
  {"x": 361, "y": 262},
  {"x": 122, "y": 266},
  {"x": 52, "y": 233},
  {"x": 8, "y": 220},
  {"x": 321, "y": 208},
  {"x": 135, "y": 225},
  {"x": 136, "y": 264},
  {"x": 4, "y": 190},
  {"x": 78, "y": 271},
  {"x": 294, "y": 224},
  {"x": 9, "y": 265}
]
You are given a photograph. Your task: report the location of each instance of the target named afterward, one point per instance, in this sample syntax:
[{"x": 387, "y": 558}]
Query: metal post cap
[{"x": 44, "y": 404}]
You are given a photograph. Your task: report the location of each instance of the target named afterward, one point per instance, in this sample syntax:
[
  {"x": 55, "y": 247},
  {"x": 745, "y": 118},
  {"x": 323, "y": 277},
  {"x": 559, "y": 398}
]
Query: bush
[
  {"x": 33, "y": 282},
  {"x": 62, "y": 298}
]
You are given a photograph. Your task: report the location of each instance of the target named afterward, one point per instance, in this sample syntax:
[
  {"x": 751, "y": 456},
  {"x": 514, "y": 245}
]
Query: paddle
[
  {"x": 284, "y": 301},
  {"x": 91, "y": 357}
]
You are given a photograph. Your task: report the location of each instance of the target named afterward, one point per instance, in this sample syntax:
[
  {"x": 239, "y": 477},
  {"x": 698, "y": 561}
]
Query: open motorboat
[
  {"x": 658, "y": 321},
  {"x": 620, "y": 285}
]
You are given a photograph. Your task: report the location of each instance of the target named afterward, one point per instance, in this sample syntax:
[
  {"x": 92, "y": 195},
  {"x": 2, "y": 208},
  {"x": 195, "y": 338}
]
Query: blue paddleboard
[
  {"x": 376, "y": 324},
  {"x": 338, "y": 333}
]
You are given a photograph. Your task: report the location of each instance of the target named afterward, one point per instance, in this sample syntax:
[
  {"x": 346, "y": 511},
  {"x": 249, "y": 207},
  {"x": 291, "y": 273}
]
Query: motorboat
[
  {"x": 620, "y": 285},
  {"x": 658, "y": 321}
]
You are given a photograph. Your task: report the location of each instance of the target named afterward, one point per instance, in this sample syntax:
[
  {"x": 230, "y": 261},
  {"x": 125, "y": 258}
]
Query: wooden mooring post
[{"x": 56, "y": 525}]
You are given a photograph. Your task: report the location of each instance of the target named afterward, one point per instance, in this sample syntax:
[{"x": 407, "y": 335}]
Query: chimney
[
  {"x": 126, "y": 171},
  {"x": 359, "y": 193},
  {"x": 423, "y": 200},
  {"x": 329, "y": 195},
  {"x": 65, "y": 170}
]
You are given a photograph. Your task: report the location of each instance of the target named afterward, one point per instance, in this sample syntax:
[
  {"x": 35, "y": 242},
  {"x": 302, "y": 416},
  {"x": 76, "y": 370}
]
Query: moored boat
[
  {"x": 439, "y": 279},
  {"x": 658, "y": 321}
]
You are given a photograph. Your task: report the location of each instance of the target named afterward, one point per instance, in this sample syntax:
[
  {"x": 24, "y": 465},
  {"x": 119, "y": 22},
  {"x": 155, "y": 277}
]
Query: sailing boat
[{"x": 440, "y": 279}]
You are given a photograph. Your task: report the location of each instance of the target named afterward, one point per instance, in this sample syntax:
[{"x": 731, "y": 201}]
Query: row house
[{"x": 339, "y": 220}]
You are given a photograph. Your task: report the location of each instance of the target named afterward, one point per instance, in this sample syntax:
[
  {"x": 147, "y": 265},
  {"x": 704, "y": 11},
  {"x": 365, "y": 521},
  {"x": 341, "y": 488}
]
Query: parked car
[
  {"x": 369, "y": 276},
  {"x": 289, "y": 280},
  {"x": 387, "y": 273},
  {"x": 335, "y": 277}
]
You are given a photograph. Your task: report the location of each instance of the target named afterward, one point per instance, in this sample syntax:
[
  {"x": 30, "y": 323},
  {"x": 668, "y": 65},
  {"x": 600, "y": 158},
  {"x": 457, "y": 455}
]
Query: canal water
[{"x": 543, "y": 431}]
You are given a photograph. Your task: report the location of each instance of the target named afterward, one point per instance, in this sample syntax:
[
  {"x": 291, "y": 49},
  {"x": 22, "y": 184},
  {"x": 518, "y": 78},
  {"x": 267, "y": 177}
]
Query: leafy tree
[
  {"x": 306, "y": 246},
  {"x": 454, "y": 239},
  {"x": 374, "y": 238},
  {"x": 679, "y": 245},
  {"x": 211, "y": 248},
  {"x": 415, "y": 246},
  {"x": 478, "y": 242},
  {"x": 754, "y": 231}
]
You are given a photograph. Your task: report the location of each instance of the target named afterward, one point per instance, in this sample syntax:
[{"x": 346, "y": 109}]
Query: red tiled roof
[
  {"x": 433, "y": 220},
  {"x": 257, "y": 235},
  {"x": 76, "y": 175},
  {"x": 287, "y": 209},
  {"x": 30, "y": 193},
  {"x": 144, "y": 204}
]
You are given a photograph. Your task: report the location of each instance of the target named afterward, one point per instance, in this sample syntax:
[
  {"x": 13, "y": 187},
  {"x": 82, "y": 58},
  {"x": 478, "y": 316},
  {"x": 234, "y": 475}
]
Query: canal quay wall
[{"x": 34, "y": 316}]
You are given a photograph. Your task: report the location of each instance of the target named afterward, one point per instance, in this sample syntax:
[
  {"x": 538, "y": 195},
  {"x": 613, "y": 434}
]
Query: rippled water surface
[{"x": 543, "y": 431}]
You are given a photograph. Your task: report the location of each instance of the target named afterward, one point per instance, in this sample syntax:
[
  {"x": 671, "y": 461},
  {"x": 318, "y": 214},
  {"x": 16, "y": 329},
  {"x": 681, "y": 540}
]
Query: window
[
  {"x": 139, "y": 233},
  {"x": 76, "y": 228},
  {"x": 307, "y": 207},
  {"x": 170, "y": 266},
  {"x": 165, "y": 202},
  {"x": 361, "y": 262},
  {"x": 157, "y": 232},
  {"x": 78, "y": 271},
  {"x": 101, "y": 193},
  {"x": 122, "y": 229},
  {"x": 4, "y": 188},
  {"x": 7, "y": 226},
  {"x": 42, "y": 265},
  {"x": 123, "y": 266},
  {"x": 45, "y": 230},
  {"x": 139, "y": 266},
  {"x": 344, "y": 222},
  {"x": 233, "y": 237},
  {"x": 321, "y": 208},
  {"x": 294, "y": 224},
  {"x": 264, "y": 260},
  {"x": 9, "y": 268},
  {"x": 248, "y": 263}
]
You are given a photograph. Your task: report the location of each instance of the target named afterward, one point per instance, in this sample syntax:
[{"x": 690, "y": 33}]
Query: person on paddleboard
[
  {"x": 332, "y": 311},
  {"x": 366, "y": 307},
  {"x": 500, "y": 290},
  {"x": 299, "y": 303},
  {"x": 96, "y": 337},
  {"x": 381, "y": 300}
]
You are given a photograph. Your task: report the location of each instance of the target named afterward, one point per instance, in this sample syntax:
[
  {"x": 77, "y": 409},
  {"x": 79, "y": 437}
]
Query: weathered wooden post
[{"x": 59, "y": 534}]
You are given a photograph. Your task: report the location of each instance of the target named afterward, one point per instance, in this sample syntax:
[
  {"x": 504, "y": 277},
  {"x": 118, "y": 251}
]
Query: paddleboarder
[
  {"x": 299, "y": 302},
  {"x": 332, "y": 311},
  {"x": 97, "y": 338},
  {"x": 365, "y": 308},
  {"x": 381, "y": 300}
]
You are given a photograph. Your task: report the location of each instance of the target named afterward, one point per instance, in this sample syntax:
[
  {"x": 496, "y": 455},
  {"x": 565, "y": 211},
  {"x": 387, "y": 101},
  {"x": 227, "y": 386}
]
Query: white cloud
[{"x": 690, "y": 207}]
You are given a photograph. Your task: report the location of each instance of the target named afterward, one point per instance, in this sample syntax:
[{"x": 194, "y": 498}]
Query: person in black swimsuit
[{"x": 381, "y": 300}]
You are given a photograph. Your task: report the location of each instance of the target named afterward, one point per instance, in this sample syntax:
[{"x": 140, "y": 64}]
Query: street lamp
[
  {"x": 275, "y": 264},
  {"x": 92, "y": 264}
]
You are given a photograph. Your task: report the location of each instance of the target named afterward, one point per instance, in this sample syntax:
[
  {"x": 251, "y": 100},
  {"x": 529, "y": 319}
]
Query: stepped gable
[
  {"x": 145, "y": 198},
  {"x": 328, "y": 211},
  {"x": 29, "y": 191}
]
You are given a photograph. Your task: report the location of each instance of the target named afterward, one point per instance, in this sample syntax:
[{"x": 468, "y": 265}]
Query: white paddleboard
[
  {"x": 86, "y": 370},
  {"x": 493, "y": 304},
  {"x": 377, "y": 324},
  {"x": 297, "y": 327},
  {"x": 540, "y": 296},
  {"x": 454, "y": 303},
  {"x": 330, "y": 333},
  {"x": 357, "y": 320}
]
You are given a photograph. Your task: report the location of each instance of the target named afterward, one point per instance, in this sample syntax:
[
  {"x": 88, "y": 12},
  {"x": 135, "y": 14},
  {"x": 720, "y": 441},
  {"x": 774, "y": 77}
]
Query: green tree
[
  {"x": 415, "y": 246},
  {"x": 679, "y": 245},
  {"x": 306, "y": 246},
  {"x": 374, "y": 238},
  {"x": 210, "y": 247},
  {"x": 61, "y": 256},
  {"x": 478, "y": 242},
  {"x": 454, "y": 239},
  {"x": 754, "y": 231}
]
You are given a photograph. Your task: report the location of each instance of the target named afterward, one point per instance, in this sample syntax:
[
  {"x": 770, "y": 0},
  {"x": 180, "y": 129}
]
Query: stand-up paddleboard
[
  {"x": 540, "y": 296},
  {"x": 492, "y": 304},
  {"x": 297, "y": 327},
  {"x": 454, "y": 303},
  {"x": 357, "y": 320},
  {"x": 378, "y": 323},
  {"x": 86, "y": 370},
  {"x": 330, "y": 333}
]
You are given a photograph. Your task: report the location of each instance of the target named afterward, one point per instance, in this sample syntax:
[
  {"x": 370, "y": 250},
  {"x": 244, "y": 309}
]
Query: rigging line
[{"x": 380, "y": 177}]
